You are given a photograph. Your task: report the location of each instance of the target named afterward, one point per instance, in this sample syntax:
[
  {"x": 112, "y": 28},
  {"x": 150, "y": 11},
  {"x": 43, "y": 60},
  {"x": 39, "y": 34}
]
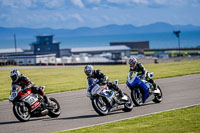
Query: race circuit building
[
  {"x": 132, "y": 45},
  {"x": 117, "y": 51},
  {"x": 45, "y": 45}
]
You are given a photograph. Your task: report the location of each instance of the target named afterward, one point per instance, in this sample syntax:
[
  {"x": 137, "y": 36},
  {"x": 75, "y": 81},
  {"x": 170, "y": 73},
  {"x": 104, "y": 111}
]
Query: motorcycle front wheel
[
  {"x": 21, "y": 112},
  {"x": 100, "y": 106},
  {"x": 137, "y": 96},
  {"x": 55, "y": 112}
]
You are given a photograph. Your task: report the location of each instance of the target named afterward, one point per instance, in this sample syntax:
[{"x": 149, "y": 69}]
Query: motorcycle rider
[
  {"x": 136, "y": 66},
  {"x": 25, "y": 83},
  {"x": 103, "y": 79}
]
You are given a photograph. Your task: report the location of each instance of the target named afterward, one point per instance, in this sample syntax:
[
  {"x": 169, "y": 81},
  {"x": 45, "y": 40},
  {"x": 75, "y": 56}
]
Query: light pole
[
  {"x": 15, "y": 43},
  {"x": 177, "y": 33}
]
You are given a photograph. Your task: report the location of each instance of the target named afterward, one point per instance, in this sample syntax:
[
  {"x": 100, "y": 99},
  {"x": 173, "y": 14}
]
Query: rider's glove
[
  {"x": 142, "y": 76},
  {"x": 131, "y": 68},
  {"x": 25, "y": 88}
]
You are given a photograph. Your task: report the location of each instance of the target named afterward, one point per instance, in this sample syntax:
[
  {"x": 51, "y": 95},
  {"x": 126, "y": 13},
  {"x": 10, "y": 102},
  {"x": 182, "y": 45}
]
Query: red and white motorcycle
[{"x": 27, "y": 104}]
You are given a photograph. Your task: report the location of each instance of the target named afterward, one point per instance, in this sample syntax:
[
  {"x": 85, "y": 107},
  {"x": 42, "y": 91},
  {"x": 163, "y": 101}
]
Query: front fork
[{"x": 22, "y": 107}]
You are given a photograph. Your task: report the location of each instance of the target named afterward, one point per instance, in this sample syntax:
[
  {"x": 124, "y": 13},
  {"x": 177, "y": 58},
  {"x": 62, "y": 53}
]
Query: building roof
[
  {"x": 44, "y": 35},
  {"x": 120, "y": 43},
  {"x": 98, "y": 49},
  {"x": 12, "y": 50}
]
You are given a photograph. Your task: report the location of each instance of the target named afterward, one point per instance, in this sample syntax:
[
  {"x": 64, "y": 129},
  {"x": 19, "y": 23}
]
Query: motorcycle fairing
[
  {"x": 29, "y": 98},
  {"x": 35, "y": 105},
  {"x": 136, "y": 82},
  {"x": 107, "y": 93}
]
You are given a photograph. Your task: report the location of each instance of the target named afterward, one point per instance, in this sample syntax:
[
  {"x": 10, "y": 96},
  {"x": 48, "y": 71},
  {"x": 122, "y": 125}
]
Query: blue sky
[{"x": 70, "y": 14}]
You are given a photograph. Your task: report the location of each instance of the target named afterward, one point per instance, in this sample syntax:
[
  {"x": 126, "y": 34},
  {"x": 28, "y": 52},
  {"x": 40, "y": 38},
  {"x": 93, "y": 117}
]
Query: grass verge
[
  {"x": 181, "y": 120},
  {"x": 73, "y": 78}
]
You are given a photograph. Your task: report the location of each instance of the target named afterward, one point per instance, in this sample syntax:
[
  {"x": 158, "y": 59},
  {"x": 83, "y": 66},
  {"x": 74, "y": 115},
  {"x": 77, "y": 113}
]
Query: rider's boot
[
  {"x": 47, "y": 101},
  {"x": 122, "y": 96},
  {"x": 153, "y": 83},
  {"x": 154, "y": 86}
]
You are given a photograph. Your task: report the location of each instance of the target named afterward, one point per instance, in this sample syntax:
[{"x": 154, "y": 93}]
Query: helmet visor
[
  {"x": 132, "y": 65},
  {"x": 14, "y": 77},
  {"x": 88, "y": 73}
]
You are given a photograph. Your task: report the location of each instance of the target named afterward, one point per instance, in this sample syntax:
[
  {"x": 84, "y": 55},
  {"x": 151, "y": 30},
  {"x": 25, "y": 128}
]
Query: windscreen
[
  {"x": 90, "y": 81},
  {"x": 14, "y": 88}
]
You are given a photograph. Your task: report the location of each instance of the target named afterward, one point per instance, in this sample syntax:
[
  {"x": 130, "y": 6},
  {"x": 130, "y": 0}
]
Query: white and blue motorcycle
[
  {"x": 105, "y": 100},
  {"x": 143, "y": 91}
]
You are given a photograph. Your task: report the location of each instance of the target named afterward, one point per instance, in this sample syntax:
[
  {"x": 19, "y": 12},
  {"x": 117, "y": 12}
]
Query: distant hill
[{"x": 104, "y": 30}]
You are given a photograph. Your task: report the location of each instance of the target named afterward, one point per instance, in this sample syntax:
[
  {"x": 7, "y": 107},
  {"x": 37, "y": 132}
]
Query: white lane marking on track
[{"x": 130, "y": 117}]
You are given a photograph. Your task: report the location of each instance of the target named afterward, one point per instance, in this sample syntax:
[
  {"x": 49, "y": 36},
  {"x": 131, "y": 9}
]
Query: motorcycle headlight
[{"x": 12, "y": 96}]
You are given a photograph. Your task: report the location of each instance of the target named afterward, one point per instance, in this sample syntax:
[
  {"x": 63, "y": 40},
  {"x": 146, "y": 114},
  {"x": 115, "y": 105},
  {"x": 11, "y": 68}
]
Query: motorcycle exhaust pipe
[{"x": 44, "y": 112}]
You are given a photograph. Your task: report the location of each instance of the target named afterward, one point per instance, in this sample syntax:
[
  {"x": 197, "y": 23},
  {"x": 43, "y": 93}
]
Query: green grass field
[
  {"x": 73, "y": 78},
  {"x": 176, "y": 121}
]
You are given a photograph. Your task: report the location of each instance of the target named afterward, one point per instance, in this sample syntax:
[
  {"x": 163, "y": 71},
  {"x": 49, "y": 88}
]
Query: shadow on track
[
  {"x": 83, "y": 116},
  {"x": 78, "y": 117},
  {"x": 9, "y": 122},
  {"x": 15, "y": 122}
]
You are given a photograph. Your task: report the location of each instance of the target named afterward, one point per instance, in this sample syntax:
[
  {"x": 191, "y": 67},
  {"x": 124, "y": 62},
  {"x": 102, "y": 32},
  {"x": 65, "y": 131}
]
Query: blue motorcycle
[{"x": 143, "y": 91}]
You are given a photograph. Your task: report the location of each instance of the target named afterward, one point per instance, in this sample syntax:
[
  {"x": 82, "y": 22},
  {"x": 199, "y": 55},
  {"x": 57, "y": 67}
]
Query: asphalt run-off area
[{"x": 77, "y": 110}]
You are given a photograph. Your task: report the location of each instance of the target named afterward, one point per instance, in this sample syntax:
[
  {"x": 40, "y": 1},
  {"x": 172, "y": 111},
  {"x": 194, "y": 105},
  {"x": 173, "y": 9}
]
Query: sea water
[{"x": 156, "y": 40}]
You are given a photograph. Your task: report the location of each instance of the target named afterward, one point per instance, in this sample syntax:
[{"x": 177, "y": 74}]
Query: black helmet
[{"x": 14, "y": 75}]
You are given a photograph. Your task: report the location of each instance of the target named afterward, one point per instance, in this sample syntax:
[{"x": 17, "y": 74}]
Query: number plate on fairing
[{"x": 30, "y": 99}]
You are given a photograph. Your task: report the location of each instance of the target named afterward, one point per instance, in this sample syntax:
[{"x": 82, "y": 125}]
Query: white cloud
[
  {"x": 156, "y": 2},
  {"x": 18, "y": 3},
  {"x": 60, "y": 17},
  {"x": 3, "y": 16},
  {"x": 106, "y": 18},
  {"x": 128, "y": 2},
  {"x": 176, "y": 2},
  {"x": 77, "y": 17},
  {"x": 39, "y": 13},
  {"x": 33, "y": 3},
  {"x": 78, "y": 3},
  {"x": 10, "y": 3},
  {"x": 54, "y": 3},
  {"x": 160, "y": 1},
  {"x": 146, "y": 2},
  {"x": 95, "y": 8},
  {"x": 93, "y": 1},
  {"x": 119, "y": 1}
]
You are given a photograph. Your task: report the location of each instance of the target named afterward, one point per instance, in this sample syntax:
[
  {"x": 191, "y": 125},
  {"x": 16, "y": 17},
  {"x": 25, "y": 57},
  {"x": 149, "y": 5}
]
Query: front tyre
[
  {"x": 100, "y": 106},
  {"x": 128, "y": 105},
  {"x": 137, "y": 96},
  {"x": 21, "y": 111},
  {"x": 158, "y": 97},
  {"x": 55, "y": 112}
]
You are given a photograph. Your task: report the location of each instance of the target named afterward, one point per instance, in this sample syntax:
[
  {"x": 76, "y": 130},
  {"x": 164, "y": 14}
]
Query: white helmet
[
  {"x": 88, "y": 70},
  {"x": 132, "y": 61},
  {"x": 14, "y": 75}
]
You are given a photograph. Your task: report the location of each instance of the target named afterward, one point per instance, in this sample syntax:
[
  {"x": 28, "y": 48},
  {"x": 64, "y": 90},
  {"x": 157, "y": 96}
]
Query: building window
[{"x": 46, "y": 39}]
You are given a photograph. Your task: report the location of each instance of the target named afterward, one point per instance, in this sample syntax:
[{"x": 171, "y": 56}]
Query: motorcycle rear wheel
[
  {"x": 128, "y": 105},
  {"x": 21, "y": 112},
  {"x": 158, "y": 98}
]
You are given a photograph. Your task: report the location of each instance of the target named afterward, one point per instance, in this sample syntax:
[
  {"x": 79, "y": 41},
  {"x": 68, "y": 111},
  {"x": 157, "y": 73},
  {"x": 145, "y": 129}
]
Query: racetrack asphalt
[{"x": 77, "y": 110}]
